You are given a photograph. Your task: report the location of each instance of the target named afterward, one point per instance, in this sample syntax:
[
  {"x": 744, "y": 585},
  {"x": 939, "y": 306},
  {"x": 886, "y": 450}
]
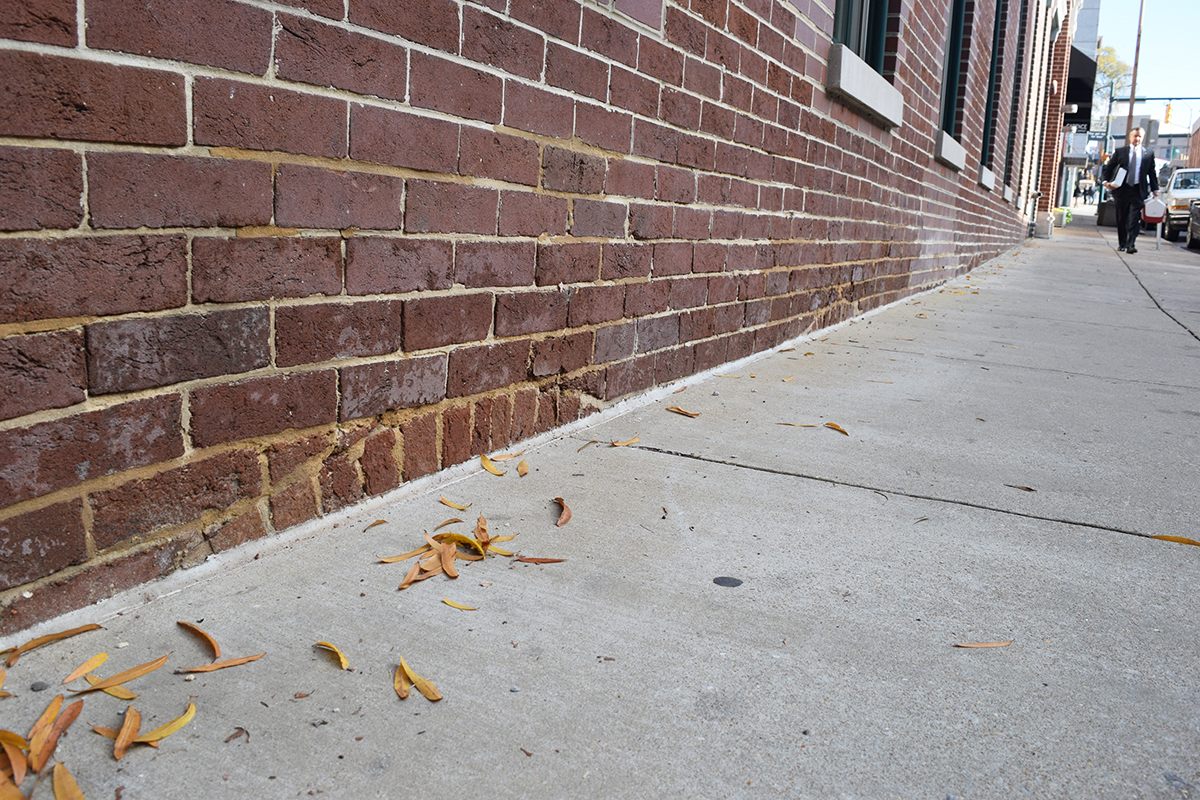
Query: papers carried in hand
[{"x": 1119, "y": 178}]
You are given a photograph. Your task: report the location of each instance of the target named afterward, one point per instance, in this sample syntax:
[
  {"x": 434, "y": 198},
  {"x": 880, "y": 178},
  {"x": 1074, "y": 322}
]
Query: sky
[{"x": 1168, "y": 65}]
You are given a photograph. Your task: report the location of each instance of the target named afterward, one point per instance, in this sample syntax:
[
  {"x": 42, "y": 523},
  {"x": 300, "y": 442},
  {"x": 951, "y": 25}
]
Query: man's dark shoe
[
  {"x": 1121, "y": 248},
  {"x": 1130, "y": 249}
]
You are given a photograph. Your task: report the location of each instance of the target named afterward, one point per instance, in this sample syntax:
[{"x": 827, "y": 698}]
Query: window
[
  {"x": 861, "y": 25},
  {"x": 953, "y": 84},
  {"x": 993, "y": 95},
  {"x": 1015, "y": 107},
  {"x": 862, "y": 60}
]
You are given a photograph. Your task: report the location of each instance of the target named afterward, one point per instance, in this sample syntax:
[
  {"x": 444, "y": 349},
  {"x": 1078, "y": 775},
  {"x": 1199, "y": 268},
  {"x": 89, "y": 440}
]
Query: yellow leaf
[
  {"x": 499, "y": 551},
  {"x": 447, "y": 521},
  {"x": 683, "y": 411},
  {"x": 110, "y": 733},
  {"x": 508, "y": 538},
  {"x": 508, "y": 456},
  {"x": 522, "y": 468},
  {"x": 454, "y": 505},
  {"x": 163, "y": 731},
  {"x": 787, "y": 350},
  {"x": 424, "y": 686},
  {"x": 208, "y": 640},
  {"x": 789, "y": 379},
  {"x": 16, "y": 760},
  {"x": 8, "y": 790},
  {"x": 810, "y": 354},
  {"x": 85, "y": 667},
  {"x": 333, "y": 648},
  {"x": 1176, "y": 539},
  {"x": 626, "y": 443},
  {"x": 33, "y": 644},
  {"x": 833, "y": 426},
  {"x": 42, "y": 746},
  {"x": 489, "y": 466},
  {"x": 481, "y": 531},
  {"x": 46, "y": 718},
  {"x": 65, "y": 787},
  {"x": 458, "y": 538},
  {"x": 216, "y": 665},
  {"x": 129, "y": 730},
  {"x": 401, "y": 683},
  {"x": 459, "y": 606},
  {"x": 374, "y": 524},
  {"x": 3, "y": 677},
  {"x": 983, "y": 644},
  {"x": 14, "y": 739},
  {"x": 447, "y": 552},
  {"x": 565, "y": 516},
  {"x": 799, "y": 424},
  {"x": 119, "y": 692},
  {"x": 124, "y": 677},
  {"x": 409, "y": 577},
  {"x": 539, "y": 560},
  {"x": 404, "y": 556}
]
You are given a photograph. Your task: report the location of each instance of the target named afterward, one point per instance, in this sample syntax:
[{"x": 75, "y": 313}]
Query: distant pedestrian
[
  {"x": 1131, "y": 176},
  {"x": 1078, "y": 193}
]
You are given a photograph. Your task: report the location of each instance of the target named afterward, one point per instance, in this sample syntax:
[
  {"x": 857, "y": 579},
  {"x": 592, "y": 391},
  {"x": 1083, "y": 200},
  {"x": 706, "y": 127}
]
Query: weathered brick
[
  {"x": 334, "y": 9},
  {"x": 621, "y": 260},
  {"x": 75, "y": 98},
  {"x": 311, "y": 197},
  {"x": 372, "y": 389},
  {"x": 38, "y": 543},
  {"x": 455, "y": 89},
  {"x": 231, "y": 114},
  {"x": 576, "y": 72},
  {"x": 501, "y": 421},
  {"x": 650, "y": 222},
  {"x": 450, "y": 208},
  {"x": 590, "y": 305},
  {"x": 603, "y": 127},
  {"x": 219, "y": 33},
  {"x": 672, "y": 258},
  {"x": 630, "y": 90},
  {"x": 671, "y": 365},
  {"x": 481, "y": 426},
  {"x": 629, "y": 178},
  {"x": 529, "y": 108},
  {"x": 309, "y": 333},
  {"x": 609, "y": 37},
  {"x": 478, "y": 369},
  {"x": 614, "y": 342},
  {"x": 235, "y": 532},
  {"x": 560, "y": 20},
  {"x": 490, "y": 39},
  {"x": 456, "y": 435},
  {"x": 652, "y": 297},
  {"x": 560, "y": 354},
  {"x": 530, "y": 312},
  {"x": 419, "y": 437},
  {"x": 571, "y": 171},
  {"x": 664, "y": 63},
  {"x": 567, "y": 263},
  {"x": 381, "y": 471},
  {"x": 259, "y": 268},
  {"x": 286, "y": 457},
  {"x": 126, "y": 355},
  {"x": 688, "y": 292},
  {"x": 385, "y": 265},
  {"x": 487, "y": 154},
  {"x": 647, "y": 11},
  {"x": 46, "y": 21},
  {"x": 308, "y": 51},
  {"x": 547, "y": 410},
  {"x": 481, "y": 264},
  {"x": 439, "y": 321},
  {"x": 598, "y": 218},
  {"x": 403, "y": 139},
  {"x": 46, "y": 278},
  {"x": 41, "y": 371},
  {"x": 529, "y": 214},
  {"x": 524, "y": 415},
  {"x": 293, "y": 505},
  {"x": 262, "y": 406},
  {"x": 431, "y": 22},
  {"x": 128, "y": 190},
  {"x": 628, "y": 377},
  {"x": 655, "y": 333},
  {"x": 58, "y": 176}
]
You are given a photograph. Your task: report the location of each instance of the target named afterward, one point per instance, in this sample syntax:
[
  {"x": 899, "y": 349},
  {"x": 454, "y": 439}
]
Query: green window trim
[
  {"x": 952, "y": 79},
  {"x": 861, "y": 25},
  {"x": 993, "y": 92}
]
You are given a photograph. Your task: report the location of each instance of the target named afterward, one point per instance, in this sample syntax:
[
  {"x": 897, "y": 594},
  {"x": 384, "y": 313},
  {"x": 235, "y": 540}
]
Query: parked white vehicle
[{"x": 1183, "y": 188}]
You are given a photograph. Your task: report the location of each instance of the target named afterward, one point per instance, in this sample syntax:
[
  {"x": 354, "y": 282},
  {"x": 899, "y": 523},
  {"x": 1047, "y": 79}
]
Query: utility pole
[{"x": 1137, "y": 52}]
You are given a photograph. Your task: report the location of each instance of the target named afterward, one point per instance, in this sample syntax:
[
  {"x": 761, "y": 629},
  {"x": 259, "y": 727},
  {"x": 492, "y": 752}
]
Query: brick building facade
[{"x": 260, "y": 260}]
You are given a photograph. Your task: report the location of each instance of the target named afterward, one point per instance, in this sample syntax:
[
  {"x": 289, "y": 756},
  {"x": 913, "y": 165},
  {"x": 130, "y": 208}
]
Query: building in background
[{"x": 1074, "y": 67}]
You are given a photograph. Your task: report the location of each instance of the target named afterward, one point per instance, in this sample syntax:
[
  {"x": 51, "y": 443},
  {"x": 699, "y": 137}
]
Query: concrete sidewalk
[{"x": 625, "y": 671}]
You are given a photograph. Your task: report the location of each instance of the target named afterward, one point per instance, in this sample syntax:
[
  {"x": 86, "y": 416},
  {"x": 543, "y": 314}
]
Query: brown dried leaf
[
  {"x": 500, "y": 551},
  {"x": 487, "y": 464},
  {"x": 458, "y": 538},
  {"x": 130, "y": 726},
  {"x": 238, "y": 732},
  {"x": 111, "y": 733},
  {"x": 337, "y": 652},
  {"x": 833, "y": 426},
  {"x": 16, "y": 760},
  {"x": 565, "y": 515},
  {"x": 625, "y": 443},
  {"x": 459, "y": 606},
  {"x": 401, "y": 683},
  {"x": 683, "y": 411},
  {"x": 119, "y": 692},
  {"x": 208, "y": 640},
  {"x": 789, "y": 379},
  {"x": 163, "y": 731},
  {"x": 46, "y": 719},
  {"x": 976, "y": 645},
  {"x": 20, "y": 650},
  {"x": 39, "y": 756},
  {"x": 216, "y": 665},
  {"x": 536, "y": 560},
  {"x": 65, "y": 787},
  {"x": 1022, "y": 488},
  {"x": 481, "y": 531},
  {"x": 405, "y": 556},
  {"x": 1176, "y": 539},
  {"x": 409, "y": 577},
  {"x": 508, "y": 456},
  {"x": 423, "y": 685},
  {"x": 8, "y": 790},
  {"x": 522, "y": 468},
  {"x": 130, "y": 674},
  {"x": 447, "y": 552},
  {"x": 587, "y": 444},
  {"x": 84, "y": 668},
  {"x": 799, "y": 424},
  {"x": 447, "y": 521},
  {"x": 454, "y": 505},
  {"x": 374, "y": 524}
]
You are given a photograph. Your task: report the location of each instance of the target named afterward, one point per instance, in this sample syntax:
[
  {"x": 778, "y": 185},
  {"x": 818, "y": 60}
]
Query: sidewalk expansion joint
[
  {"x": 1171, "y": 316},
  {"x": 897, "y": 492}
]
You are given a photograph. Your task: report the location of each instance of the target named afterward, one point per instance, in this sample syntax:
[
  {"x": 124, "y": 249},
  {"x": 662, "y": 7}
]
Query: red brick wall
[
  {"x": 1052, "y": 133},
  {"x": 259, "y": 263}
]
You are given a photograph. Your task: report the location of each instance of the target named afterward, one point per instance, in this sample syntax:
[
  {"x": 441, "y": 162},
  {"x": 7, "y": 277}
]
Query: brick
[
  {"x": 219, "y": 33},
  {"x": 385, "y": 265},
  {"x": 439, "y": 321},
  {"x": 235, "y": 532},
  {"x": 309, "y": 333},
  {"x": 129, "y": 190},
  {"x": 558, "y": 19},
  {"x": 311, "y": 197},
  {"x": 625, "y": 261},
  {"x": 58, "y": 176},
  {"x": 530, "y": 312},
  {"x": 294, "y": 505},
  {"x": 561, "y": 354},
  {"x": 231, "y": 114},
  {"x": 481, "y": 426},
  {"x": 487, "y": 154},
  {"x": 325, "y": 8},
  {"x": 48, "y": 456},
  {"x": 634, "y": 92},
  {"x": 576, "y": 72},
  {"x": 483, "y": 264},
  {"x": 652, "y": 297},
  {"x": 478, "y": 369},
  {"x": 381, "y": 472},
  {"x": 126, "y": 355},
  {"x": 722, "y": 289},
  {"x": 524, "y": 415},
  {"x": 571, "y": 171},
  {"x": 674, "y": 185},
  {"x": 590, "y": 305},
  {"x": 403, "y": 139},
  {"x": 650, "y": 222},
  {"x": 614, "y": 342},
  {"x": 489, "y": 39},
  {"x": 680, "y": 108},
  {"x": 646, "y": 11},
  {"x": 609, "y": 37},
  {"x": 450, "y": 208},
  {"x": 262, "y": 406},
  {"x": 456, "y": 435},
  {"x": 285, "y": 458},
  {"x": 598, "y": 218},
  {"x": 660, "y": 61},
  {"x": 529, "y": 108},
  {"x": 707, "y": 257},
  {"x": 688, "y": 293},
  {"x": 41, "y": 371},
  {"x": 455, "y": 89},
  {"x": 419, "y": 437},
  {"x": 72, "y": 98},
  {"x": 655, "y": 333},
  {"x": 671, "y": 365},
  {"x": 529, "y": 214},
  {"x": 372, "y": 389},
  {"x": 47, "y": 278},
  {"x": 236, "y": 270},
  {"x": 567, "y": 263},
  {"x": 568, "y": 408},
  {"x": 431, "y": 22},
  {"x": 629, "y": 178},
  {"x": 39, "y": 543},
  {"x": 312, "y": 52},
  {"x": 45, "y": 21},
  {"x": 628, "y": 377},
  {"x": 547, "y": 411}
]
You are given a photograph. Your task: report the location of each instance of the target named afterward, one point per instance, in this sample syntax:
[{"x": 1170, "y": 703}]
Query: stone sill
[
  {"x": 950, "y": 152},
  {"x": 852, "y": 81},
  {"x": 987, "y": 178}
]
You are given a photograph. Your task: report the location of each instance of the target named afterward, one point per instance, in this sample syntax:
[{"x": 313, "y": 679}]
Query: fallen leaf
[
  {"x": 920, "y": 519},
  {"x": 423, "y": 685},
  {"x": 130, "y": 674},
  {"x": 799, "y": 424},
  {"x": 1022, "y": 488},
  {"x": 8, "y": 790},
  {"x": 1177, "y": 539},
  {"x": 208, "y": 640},
  {"x": 833, "y": 426},
  {"x": 789, "y": 379},
  {"x": 40, "y": 752},
  {"x": 16, "y": 760},
  {"x": 683, "y": 411},
  {"x": 239, "y": 731},
  {"x": 406, "y": 556},
  {"x": 14, "y": 739},
  {"x": 458, "y": 538},
  {"x": 447, "y": 521},
  {"x": 508, "y": 456},
  {"x": 481, "y": 531},
  {"x": 787, "y": 350},
  {"x": 333, "y": 648},
  {"x": 163, "y": 731},
  {"x": 982, "y": 644},
  {"x": 401, "y": 683},
  {"x": 587, "y": 444},
  {"x": 111, "y": 733},
  {"x": 216, "y": 665},
  {"x": 374, "y": 524},
  {"x": 447, "y": 552},
  {"x": 526, "y": 752},
  {"x": 459, "y": 606},
  {"x": 301, "y": 695},
  {"x": 45, "y": 719},
  {"x": 728, "y": 375},
  {"x": 454, "y": 505},
  {"x": 522, "y": 468},
  {"x": 565, "y": 515},
  {"x": 810, "y": 353},
  {"x": 129, "y": 730},
  {"x": 119, "y": 692},
  {"x": 626, "y": 443},
  {"x": 65, "y": 787},
  {"x": 409, "y": 577},
  {"x": 20, "y": 650},
  {"x": 489, "y": 466},
  {"x": 84, "y": 668},
  {"x": 536, "y": 560},
  {"x": 499, "y": 551}
]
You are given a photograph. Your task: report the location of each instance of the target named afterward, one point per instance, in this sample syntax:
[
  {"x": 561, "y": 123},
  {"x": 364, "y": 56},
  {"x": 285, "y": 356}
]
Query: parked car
[
  {"x": 1193, "y": 227},
  {"x": 1183, "y": 188}
]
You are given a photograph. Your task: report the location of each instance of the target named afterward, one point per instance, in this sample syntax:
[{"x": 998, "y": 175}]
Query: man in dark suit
[{"x": 1140, "y": 179}]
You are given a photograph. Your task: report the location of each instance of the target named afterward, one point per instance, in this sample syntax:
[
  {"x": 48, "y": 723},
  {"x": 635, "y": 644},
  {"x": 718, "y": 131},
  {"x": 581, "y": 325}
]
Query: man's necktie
[{"x": 1135, "y": 163}]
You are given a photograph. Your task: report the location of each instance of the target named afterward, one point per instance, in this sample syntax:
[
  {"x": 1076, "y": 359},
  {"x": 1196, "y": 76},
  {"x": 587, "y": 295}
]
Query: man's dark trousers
[{"x": 1129, "y": 214}]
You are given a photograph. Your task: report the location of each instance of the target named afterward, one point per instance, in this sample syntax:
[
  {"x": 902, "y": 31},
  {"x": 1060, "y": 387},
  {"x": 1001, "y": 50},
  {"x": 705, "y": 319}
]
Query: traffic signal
[{"x": 1167, "y": 115}]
